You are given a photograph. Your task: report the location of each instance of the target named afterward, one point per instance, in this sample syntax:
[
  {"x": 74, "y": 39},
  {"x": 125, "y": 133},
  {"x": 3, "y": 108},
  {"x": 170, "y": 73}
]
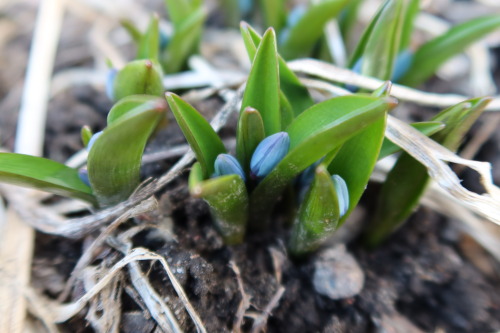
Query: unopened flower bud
[
  {"x": 226, "y": 164},
  {"x": 83, "y": 173},
  {"x": 342, "y": 194},
  {"x": 269, "y": 153}
]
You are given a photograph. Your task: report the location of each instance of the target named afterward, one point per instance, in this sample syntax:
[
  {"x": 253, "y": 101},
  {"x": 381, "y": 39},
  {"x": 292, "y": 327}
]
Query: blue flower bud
[
  {"x": 402, "y": 65},
  {"x": 110, "y": 81},
  {"x": 83, "y": 173},
  {"x": 226, "y": 164},
  {"x": 269, "y": 153},
  {"x": 92, "y": 140},
  {"x": 342, "y": 194}
]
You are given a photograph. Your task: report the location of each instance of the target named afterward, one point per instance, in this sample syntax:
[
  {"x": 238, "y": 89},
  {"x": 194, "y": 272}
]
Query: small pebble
[{"x": 337, "y": 274}]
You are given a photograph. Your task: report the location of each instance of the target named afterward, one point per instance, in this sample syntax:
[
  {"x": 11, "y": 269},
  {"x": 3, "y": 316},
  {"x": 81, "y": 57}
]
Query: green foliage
[
  {"x": 115, "y": 157},
  {"x": 290, "y": 85},
  {"x": 138, "y": 77},
  {"x": 262, "y": 88},
  {"x": 435, "y": 52},
  {"x": 318, "y": 215},
  {"x": 184, "y": 41},
  {"x": 43, "y": 174},
  {"x": 301, "y": 37},
  {"x": 407, "y": 180},
  {"x": 198, "y": 132}
]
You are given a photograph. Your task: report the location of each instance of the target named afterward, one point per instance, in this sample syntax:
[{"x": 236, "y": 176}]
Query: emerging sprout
[
  {"x": 226, "y": 164},
  {"x": 269, "y": 153}
]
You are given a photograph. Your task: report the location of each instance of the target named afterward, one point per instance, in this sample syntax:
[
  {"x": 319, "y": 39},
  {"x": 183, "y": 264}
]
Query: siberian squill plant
[{"x": 280, "y": 134}]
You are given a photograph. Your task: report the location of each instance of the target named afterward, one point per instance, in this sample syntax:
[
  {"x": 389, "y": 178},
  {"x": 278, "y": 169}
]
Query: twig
[
  {"x": 336, "y": 74},
  {"x": 158, "y": 309},
  {"x": 261, "y": 320},
  {"x": 245, "y": 299}
]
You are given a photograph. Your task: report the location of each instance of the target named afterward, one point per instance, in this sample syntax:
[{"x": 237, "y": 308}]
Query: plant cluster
[{"x": 316, "y": 157}]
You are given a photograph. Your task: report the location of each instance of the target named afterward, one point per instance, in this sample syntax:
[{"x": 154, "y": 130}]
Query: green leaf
[
  {"x": 43, "y": 174},
  {"x": 178, "y": 11},
  {"x": 318, "y": 215},
  {"x": 459, "y": 120},
  {"x": 86, "y": 134},
  {"x": 184, "y": 41},
  {"x": 302, "y": 36},
  {"x": 363, "y": 41},
  {"x": 313, "y": 134},
  {"x": 139, "y": 77},
  {"x": 132, "y": 30},
  {"x": 407, "y": 180},
  {"x": 434, "y": 53},
  {"x": 205, "y": 143},
  {"x": 149, "y": 44},
  {"x": 249, "y": 134},
  {"x": 382, "y": 46},
  {"x": 228, "y": 199},
  {"x": 427, "y": 128},
  {"x": 286, "y": 111},
  {"x": 294, "y": 90},
  {"x": 127, "y": 104},
  {"x": 274, "y": 13},
  {"x": 412, "y": 10},
  {"x": 115, "y": 158},
  {"x": 262, "y": 89},
  {"x": 356, "y": 159}
]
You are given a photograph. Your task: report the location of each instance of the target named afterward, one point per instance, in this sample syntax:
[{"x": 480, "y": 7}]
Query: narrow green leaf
[
  {"x": 411, "y": 12},
  {"x": 318, "y": 215},
  {"x": 356, "y": 159},
  {"x": 407, "y": 180},
  {"x": 313, "y": 134},
  {"x": 86, "y": 134},
  {"x": 249, "y": 134},
  {"x": 427, "y": 128},
  {"x": 360, "y": 47},
  {"x": 205, "y": 143},
  {"x": 149, "y": 44},
  {"x": 306, "y": 32},
  {"x": 262, "y": 89},
  {"x": 274, "y": 13},
  {"x": 178, "y": 11},
  {"x": 228, "y": 199},
  {"x": 139, "y": 77},
  {"x": 286, "y": 111},
  {"x": 195, "y": 176},
  {"x": 43, "y": 174},
  {"x": 128, "y": 104},
  {"x": 434, "y": 53},
  {"x": 296, "y": 93},
  {"x": 184, "y": 41},
  {"x": 132, "y": 30},
  {"x": 115, "y": 158},
  {"x": 382, "y": 46},
  {"x": 398, "y": 197},
  {"x": 458, "y": 121},
  {"x": 384, "y": 90}
]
